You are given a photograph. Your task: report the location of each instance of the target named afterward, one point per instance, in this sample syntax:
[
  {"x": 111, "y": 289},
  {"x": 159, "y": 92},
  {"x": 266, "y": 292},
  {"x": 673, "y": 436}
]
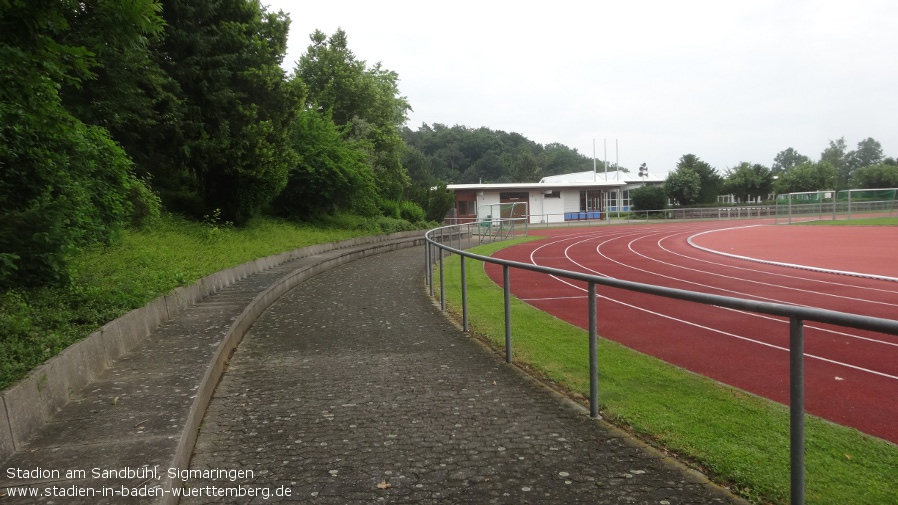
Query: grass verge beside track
[
  {"x": 875, "y": 221},
  {"x": 740, "y": 440}
]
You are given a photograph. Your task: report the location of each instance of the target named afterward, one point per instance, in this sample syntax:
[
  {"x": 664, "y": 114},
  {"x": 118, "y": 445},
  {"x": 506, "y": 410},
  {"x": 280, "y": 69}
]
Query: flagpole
[{"x": 593, "y": 160}]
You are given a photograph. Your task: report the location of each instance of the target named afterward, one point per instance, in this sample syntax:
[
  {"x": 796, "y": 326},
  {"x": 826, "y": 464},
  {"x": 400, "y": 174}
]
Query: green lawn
[
  {"x": 877, "y": 221},
  {"x": 739, "y": 439}
]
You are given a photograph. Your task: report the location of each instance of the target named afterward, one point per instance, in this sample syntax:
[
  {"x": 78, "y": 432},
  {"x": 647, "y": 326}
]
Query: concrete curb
[{"x": 27, "y": 405}]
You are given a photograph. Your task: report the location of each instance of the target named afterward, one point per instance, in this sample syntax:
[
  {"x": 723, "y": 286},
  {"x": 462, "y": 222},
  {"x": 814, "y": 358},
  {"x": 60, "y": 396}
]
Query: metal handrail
[{"x": 796, "y": 314}]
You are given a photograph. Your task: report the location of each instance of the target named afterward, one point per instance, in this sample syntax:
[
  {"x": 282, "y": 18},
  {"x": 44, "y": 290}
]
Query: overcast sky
[{"x": 726, "y": 81}]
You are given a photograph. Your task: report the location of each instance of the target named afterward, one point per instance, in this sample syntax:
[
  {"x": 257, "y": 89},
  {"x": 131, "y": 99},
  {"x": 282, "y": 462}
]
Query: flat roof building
[{"x": 554, "y": 199}]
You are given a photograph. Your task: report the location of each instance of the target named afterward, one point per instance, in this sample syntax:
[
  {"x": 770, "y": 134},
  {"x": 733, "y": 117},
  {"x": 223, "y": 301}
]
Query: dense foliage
[
  {"x": 63, "y": 183},
  {"x": 101, "y": 97},
  {"x": 463, "y": 155},
  {"x": 225, "y": 57},
  {"x": 649, "y": 198},
  {"x": 749, "y": 181},
  {"x": 683, "y": 186},
  {"x": 791, "y": 172},
  {"x": 332, "y": 173},
  {"x": 364, "y": 101}
]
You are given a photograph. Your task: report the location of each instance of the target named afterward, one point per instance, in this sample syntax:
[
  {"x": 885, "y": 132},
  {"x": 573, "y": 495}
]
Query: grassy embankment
[
  {"x": 36, "y": 324},
  {"x": 739, "y": 439}
]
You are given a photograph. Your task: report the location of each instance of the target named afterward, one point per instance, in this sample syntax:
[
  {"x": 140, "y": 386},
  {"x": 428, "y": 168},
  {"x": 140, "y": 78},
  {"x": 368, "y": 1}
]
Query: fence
[
  {"x": 442, "y": 241},
  {"x": 818, "y": 205},
  {"x": 595, "y": 218},
  {"x": 836, "y": 205}
]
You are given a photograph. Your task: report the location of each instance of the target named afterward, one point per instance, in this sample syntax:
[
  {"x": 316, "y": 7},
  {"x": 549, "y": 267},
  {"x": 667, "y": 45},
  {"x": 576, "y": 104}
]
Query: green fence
[{"x": 836, "y": 205}]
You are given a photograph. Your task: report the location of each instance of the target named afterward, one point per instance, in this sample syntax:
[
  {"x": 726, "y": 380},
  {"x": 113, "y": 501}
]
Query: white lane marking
[
  {"x": 733, "y": 335},
  {"x": 789, "y": 265},
  {"x": 713, "y": 330}
]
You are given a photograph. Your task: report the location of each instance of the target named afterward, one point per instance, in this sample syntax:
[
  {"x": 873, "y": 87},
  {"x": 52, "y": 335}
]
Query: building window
[
  {"x": 466, "y": 208},
  {"x": 514, "y": 197},
  {"x": 612, "y": 199},
  {"x": 552, "y": 194},
  {"x": 590, "y": 200},
  {"x": 625, "y": 200}
]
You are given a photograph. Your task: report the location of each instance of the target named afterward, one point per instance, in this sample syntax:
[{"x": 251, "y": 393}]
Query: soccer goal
[
  {"x": 845, "y": 204},
  {"x": 502, "y": 220}
]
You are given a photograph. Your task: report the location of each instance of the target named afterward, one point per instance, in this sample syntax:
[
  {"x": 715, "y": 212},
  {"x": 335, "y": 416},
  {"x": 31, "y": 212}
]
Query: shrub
[
  {"x": 649, "y": 198},
  {"x": 411, "y": 212},
  {"x": 63, "y": 185},
  {"x": 390, "y": 208}
]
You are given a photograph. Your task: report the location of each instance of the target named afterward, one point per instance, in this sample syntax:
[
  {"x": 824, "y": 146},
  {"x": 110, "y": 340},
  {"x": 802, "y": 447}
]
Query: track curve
[{"x": 851, "y": 375}]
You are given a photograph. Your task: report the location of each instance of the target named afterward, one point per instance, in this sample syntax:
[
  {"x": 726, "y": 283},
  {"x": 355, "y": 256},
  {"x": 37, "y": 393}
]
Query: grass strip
[
  {"x": 873, "y": 221},
  {"x": 738, "y": 439}
]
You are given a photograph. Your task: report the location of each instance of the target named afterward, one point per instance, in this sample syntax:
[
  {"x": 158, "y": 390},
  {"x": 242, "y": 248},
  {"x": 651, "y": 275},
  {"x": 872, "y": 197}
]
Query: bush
[
  {"x": 411, "y": 212},
  {"x": 146, "y": 206},
  {"x": 649, "y": 198},
  {"x": 390, "y": 208},
  {"x": 63, "y": 185},
  {"x": 332, "y": 174}
]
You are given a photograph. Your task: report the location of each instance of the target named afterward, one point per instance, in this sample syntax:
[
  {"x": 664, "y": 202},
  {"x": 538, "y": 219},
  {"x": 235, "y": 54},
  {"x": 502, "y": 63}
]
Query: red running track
[{"x": 851, "y": 375}]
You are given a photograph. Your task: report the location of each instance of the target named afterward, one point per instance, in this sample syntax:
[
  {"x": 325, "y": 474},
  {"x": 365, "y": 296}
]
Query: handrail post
[
  {"x": 429, "y": 248},
  {"x": 796, "y": 408},
  {"x": 507, "y": 287},
  {"x": 593, "y": 354},
  {"x": 464, "y": 295},
  {"x": 442, "y": 284}
]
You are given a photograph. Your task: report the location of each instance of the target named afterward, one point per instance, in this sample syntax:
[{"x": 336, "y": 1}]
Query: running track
[{"x": 851, "y": 375}]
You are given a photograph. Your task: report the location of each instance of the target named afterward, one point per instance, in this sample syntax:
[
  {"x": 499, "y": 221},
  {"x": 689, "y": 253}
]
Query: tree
[
  {"x": 868, "y": 153},
  {"x": 835, "y": 155},
  {"x": 649, "y": 198},
  {"x": 561, "y": 159},
  {"x": 63, "y": 184},
  {"x": 710, "y": 182},
  {"x": 332, "y": 172},
  {"x": 426, "y": 189},
  {"x": 807, "y": 177},
  {"x": 127, "y": 92},
  {"x": 786, "y": 160},
  {"x": 747, "y": 181},
  {"x": 365, "y": 99},
  {"x": 225, "y": 56},
  {"x": 526, "y": 168},
  {"x": 876, "y": 176},
  {"x": 683, "y": 186}
]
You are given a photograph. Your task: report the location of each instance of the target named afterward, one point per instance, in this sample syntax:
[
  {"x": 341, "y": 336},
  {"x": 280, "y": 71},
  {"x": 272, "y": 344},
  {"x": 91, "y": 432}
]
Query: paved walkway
[{"x": 353, "y": 388}]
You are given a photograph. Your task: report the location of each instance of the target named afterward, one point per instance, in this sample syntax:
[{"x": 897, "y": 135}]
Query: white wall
[
  {"x": 571, "y": 200},
  {"x": 487, "y": 198},
  {"x": 547, "y": 210}
]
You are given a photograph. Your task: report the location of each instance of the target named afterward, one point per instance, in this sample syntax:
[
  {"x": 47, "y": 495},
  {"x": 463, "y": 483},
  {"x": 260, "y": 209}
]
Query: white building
[{"x": 558, "y": 198}]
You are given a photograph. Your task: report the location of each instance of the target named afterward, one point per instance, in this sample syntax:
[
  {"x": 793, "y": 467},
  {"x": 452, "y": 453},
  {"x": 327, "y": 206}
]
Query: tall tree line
[
  {"x": 695, "y": 182},
  {"x": 64, "y": 182},
  {"x": 464, "y": 155},
  {"x": 104, "y": 100}
]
